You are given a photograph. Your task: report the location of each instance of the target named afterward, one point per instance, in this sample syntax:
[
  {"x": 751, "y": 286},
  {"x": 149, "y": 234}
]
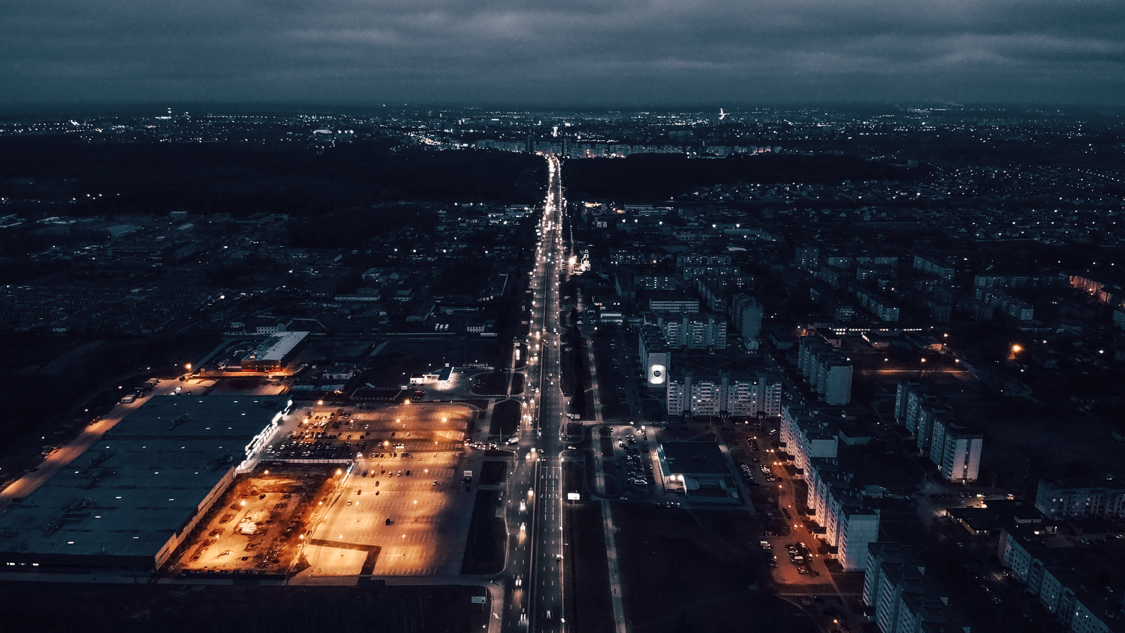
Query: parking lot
[
  {"x": 326, "y": 433},
  {"x": 636, "y": 466},
  {"x": 257, "y": 525},
  {"x": 404, "y": 507}
]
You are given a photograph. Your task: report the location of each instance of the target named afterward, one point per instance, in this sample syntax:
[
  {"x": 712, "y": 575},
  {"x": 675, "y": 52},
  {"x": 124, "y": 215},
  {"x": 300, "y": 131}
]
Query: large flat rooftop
[
  {"x": 694, "y": 458},
  {"x": 134, "y": 490},
  {"x": 277, "y": 346}
]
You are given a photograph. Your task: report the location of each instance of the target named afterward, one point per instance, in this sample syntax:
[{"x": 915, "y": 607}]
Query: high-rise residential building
[
  {"x": 673, "y": 303},
  {"x": 1049, "y": 574},
  {"x": 955, "y": 449},
  {"x": 655, "y": 356},
  {"x": 935, "y": 266},
  {"x": 806, "y": 437},
  {"x": 702, "y": 331},
  {"x": 849, "y": 522},
  {"x": 881, "y": 306},
  {"x": 826, "y": 370},
  {"x": 902, "y": 597},
  {"x": 1102, "y": 498},
  {"x": 733, "y": 394},
  {"x": 902, "y": 398},
  {"x": 713, "y": 293},
  {"x": 746, "y": 313}
]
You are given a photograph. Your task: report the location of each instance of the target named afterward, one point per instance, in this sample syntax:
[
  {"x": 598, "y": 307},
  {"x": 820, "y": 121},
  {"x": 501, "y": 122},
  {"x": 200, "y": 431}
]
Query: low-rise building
[{"x": 274, "y": 353}]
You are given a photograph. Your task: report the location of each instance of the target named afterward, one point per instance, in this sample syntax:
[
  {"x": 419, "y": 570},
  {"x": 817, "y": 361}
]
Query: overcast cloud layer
[{"x": 567, "y": 52}]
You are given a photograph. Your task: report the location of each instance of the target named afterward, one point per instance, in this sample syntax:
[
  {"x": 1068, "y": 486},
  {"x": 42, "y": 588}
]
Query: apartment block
[
  {"x": 902, "y": 597},
  {"x": 826, "y": 370},
  {"x": 689, "y": 394},
  {"x": 1064, "y": 589},
  {"x": 1098, "y": 498},
  {"x": 955, "y": 449},
  {"x": 806, "y": 436},
  {"x": 746, "y": 314},
  {"x": 849, "y": 522},
  {"x": 695, "y": 332}
]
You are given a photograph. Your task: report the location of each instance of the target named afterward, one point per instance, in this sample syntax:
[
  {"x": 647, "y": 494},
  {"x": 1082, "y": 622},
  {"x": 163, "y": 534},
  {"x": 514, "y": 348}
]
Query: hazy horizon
[{"x": 633, "y": 54}]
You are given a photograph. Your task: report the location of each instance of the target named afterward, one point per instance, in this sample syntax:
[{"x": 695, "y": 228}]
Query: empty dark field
[
  {"x": 695, "y": 571},
  {"x": 96, "y": 608}
]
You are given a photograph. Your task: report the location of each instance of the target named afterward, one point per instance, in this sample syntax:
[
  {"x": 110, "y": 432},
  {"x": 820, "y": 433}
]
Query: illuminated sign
[{"x": 656, "y": 374}]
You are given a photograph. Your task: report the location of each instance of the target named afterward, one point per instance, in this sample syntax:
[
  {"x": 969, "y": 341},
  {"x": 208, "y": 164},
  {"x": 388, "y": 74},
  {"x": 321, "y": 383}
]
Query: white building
[
  {"x": 1062, "y": 589},
  {"x": 956, "y": 449},
  {"x": 849, "y": 523},
  {"x": 655, "y": 357},
  {"x": 806, "y": 437},
  {"x": 723, "y": 394},
  {"x": 903, "y": 598},
  {"x": 674, "y": 303},
  {"x": 826, "y": 370},
  {"x": 1103, "y": 498},
  {"x": 692, "y": 331}
]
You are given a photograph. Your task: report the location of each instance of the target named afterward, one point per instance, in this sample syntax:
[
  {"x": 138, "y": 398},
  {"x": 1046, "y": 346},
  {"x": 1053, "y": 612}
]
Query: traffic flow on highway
[{"x": 535, "y": 573}]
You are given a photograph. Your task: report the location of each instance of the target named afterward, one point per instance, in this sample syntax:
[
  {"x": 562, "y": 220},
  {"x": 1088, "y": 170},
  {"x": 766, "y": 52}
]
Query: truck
[
  {"x": 467, "y": 477},
  {"x": 129, "y": 399}
]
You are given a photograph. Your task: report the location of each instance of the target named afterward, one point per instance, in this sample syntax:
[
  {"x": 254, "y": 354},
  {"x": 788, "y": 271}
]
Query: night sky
[{"x": 568, "y": 53}]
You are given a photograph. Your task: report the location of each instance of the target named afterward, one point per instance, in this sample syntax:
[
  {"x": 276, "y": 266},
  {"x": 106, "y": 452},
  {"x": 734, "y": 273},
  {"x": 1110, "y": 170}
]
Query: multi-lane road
[{"x": 535, "y": 599}]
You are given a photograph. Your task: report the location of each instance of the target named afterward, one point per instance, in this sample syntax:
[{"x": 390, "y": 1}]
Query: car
[
  {"x": 388, "y": 521},
  {"x": 523, "y": 527}
]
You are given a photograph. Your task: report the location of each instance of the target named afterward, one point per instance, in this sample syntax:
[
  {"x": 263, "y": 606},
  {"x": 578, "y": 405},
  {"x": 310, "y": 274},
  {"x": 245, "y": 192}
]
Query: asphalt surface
[{"x": 534, "y": 576}]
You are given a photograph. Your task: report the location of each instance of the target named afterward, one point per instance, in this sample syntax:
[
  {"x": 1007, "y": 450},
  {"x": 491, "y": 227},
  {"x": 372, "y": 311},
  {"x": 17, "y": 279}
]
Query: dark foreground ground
[
  {"x": 686, "y": 571},
  {"x": 47, "y": 608}
]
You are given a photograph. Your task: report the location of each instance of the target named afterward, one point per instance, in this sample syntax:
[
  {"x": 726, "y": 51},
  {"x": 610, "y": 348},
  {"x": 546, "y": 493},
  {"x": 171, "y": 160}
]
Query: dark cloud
[{"x": 576, "y": 52}]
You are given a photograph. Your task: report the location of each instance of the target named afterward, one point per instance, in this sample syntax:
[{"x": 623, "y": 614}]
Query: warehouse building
[
  {"x": 274, "y": 353},
  {"x": 130, "y": 500}
]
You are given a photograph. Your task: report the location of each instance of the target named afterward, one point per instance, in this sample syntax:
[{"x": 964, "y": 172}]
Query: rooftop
[
  {"x": 694, "y": 458},
  {"x": 142, "y": 482},
  {"x": 277, "y": 346}
]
